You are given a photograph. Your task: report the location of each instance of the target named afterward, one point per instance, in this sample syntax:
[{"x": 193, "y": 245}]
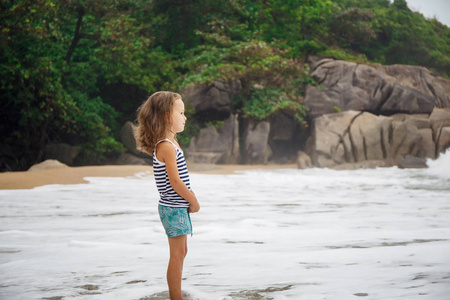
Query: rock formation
[
  {"x": 127, "y": 138},
  {"x": 356, "y": 137},
  {"x": 440, "y": 124},
  {"x": 303, "y": 160},
  {"x": 381, "y": 90},
  {"x": 361, "y": 116},
  {"x": 216, "y": 146},
  {"x": 213, "y": 102},
  {"x": 410, "y": 162},
  {"x": 257, "y": 149},
  {"x": 388, "y": 113},
  {"x": 133, "y": 156}
]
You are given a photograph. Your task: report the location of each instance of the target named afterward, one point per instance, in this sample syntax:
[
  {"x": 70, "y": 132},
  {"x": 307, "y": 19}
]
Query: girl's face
[{"x": 178, "y": 117}]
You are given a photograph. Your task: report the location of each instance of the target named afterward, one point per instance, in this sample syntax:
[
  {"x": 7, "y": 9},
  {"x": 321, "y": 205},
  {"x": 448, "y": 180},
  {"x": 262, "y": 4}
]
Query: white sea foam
[
  {"x": 278, "y": 234},
  {"x": 441, "y": 166}
]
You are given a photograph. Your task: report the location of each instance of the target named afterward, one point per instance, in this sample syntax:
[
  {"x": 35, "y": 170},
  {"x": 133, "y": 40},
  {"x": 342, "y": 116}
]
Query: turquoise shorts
[{"x": 176, "y": 221}]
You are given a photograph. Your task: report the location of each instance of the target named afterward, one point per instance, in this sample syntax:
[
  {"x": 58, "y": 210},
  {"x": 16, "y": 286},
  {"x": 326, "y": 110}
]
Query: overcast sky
[{"x": 432, "y": 8}]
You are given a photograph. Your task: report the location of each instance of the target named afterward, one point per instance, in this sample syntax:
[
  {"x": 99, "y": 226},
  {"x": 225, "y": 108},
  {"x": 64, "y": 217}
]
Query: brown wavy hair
[{"x": 153, "y": 120}]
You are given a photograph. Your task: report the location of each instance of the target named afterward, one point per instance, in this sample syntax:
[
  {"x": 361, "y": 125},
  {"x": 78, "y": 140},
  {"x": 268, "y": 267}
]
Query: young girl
[{"x": 160, "y": 118}]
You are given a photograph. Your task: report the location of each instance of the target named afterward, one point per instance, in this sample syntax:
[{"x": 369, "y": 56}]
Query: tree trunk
[{"x": 77, "y": 34}]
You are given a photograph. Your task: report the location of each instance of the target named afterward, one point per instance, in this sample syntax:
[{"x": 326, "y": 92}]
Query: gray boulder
[
  {"x": 420, "y": 79},
  {"x": 256, "y": 139},
  {"x": 128, "y": 139},
  {"x": 440, "y": 123},
  {"x": 354, "y": 137},
  {"x": 412, "y": 162},
  {"x": 216, "y": 146},
  {"x": 303, "y": 160},
  {"x": 62, "y": 152},
  {"x": 229, "y": 133},
  {"x": 377, "y": 89},
  {"x": 345, "y": 86},
  {"x": 213, "y": 102},
  {"x": 403, "y": 99}
]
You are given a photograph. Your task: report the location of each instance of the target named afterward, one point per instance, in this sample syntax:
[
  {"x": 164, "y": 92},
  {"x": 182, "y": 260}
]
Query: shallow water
[{"x": 279, "y": 234}]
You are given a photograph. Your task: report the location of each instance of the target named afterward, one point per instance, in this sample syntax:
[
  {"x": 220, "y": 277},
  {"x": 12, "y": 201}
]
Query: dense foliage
[{"x": 74, "y": 70}]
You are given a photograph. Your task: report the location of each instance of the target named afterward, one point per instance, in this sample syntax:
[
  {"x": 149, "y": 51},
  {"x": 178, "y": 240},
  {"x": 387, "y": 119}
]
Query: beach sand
[{"x": 76, "y": 175}]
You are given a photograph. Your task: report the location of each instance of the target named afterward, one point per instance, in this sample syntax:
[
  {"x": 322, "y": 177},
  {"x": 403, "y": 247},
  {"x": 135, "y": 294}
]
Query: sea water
[{"x": 262, "y": 234}]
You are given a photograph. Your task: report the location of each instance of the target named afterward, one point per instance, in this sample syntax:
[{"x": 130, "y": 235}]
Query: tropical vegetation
[{"x": 74, "y": 71}]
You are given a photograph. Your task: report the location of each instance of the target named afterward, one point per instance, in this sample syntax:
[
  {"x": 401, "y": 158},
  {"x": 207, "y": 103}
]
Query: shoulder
[
  {"x": 165, "y": 146},
  {"x": 165, "y": 150}
]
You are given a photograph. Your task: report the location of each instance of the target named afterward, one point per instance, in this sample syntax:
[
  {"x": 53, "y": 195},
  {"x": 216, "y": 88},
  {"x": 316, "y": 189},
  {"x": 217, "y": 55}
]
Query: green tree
[
  {"x": 280, "y": 80},
  {"x": 56, "y": 56},
  {"x": 351, "y": 28},
  {"x": 401, "y": 35},
  {"x": 175, "y": 21}
]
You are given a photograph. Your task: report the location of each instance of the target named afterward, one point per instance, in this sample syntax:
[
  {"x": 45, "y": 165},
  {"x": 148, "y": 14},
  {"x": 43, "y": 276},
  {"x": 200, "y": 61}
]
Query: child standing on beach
[{"x": 160, "y": 118}]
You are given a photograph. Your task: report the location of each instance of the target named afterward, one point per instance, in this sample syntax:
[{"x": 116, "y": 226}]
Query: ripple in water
[{"x": 262, "y": 234}]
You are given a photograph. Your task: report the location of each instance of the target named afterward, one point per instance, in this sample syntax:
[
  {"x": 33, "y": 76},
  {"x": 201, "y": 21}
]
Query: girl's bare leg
[{"x": 178, "y": 251}]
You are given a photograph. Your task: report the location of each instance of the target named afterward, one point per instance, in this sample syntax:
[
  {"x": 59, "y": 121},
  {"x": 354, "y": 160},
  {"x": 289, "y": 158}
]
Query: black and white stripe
[{"x": 168, "y": 196}]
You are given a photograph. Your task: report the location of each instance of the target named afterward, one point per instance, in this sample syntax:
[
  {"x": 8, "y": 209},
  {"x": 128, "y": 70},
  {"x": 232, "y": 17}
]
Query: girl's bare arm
[{"x": 166, "y": 153}]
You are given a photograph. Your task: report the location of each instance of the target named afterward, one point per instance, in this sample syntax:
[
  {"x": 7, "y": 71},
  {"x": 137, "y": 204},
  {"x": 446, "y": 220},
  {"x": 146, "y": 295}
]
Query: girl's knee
[
  {"x": 183, "y": 252},
  {"x": 178, "y": 255}
]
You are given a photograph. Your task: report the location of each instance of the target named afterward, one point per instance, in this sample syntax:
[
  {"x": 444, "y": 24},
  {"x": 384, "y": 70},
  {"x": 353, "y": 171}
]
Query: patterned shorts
[{"x": 176, "y": 221}]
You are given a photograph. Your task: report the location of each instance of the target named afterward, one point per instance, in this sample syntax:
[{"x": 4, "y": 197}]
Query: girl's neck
[
  {"x": 173, "y": 140},
  {"x": 172, "y": 137}
]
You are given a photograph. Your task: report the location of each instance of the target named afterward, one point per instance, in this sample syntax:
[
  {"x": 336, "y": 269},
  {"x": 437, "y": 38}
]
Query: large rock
[
  {"x": 440, "y": 123},
  {"x": 412, "y": 162},
  {"x": 216, "y": 146},
  {"x": 444, "y": 140},
  {"x": 382, "y": 90},
  {"x": 229, "y": 133},
  {"x": 328, "y": 145},
  {"x": 412, "y": 135},
  {"x": 353, "y": 137},
  {"x": 47, "y": 165},
  {"x": 257, "y": 149},
  {"x": 303, "y": 160},
  {"x": 345, "y": 86},
  {"x": 213, "y": 102},
  {"x": 443, "y": 83},
  {"x": 420, "y": 79},
  {"x": 403, "y": 99},
  {"x": 128, "y": 139},
  {"x": 62, "y": 152}
]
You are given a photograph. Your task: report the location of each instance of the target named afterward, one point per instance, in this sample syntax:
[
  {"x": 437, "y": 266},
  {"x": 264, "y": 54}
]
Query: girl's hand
[{"x": 194, "y": 206}]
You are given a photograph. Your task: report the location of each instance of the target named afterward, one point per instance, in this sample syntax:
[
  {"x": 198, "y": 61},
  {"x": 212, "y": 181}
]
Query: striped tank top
[{"x": 168, "y": 196}]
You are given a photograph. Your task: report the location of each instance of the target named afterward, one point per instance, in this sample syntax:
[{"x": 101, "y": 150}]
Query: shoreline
[{"x": 75, "y": 175}]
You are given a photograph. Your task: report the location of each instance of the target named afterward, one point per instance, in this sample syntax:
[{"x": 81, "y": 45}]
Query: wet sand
[{"x": 76, "y": 175}]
